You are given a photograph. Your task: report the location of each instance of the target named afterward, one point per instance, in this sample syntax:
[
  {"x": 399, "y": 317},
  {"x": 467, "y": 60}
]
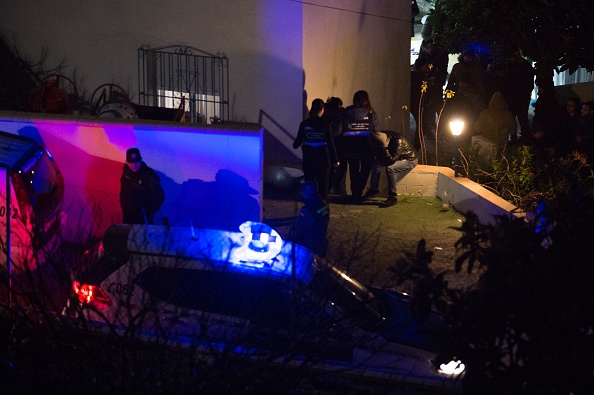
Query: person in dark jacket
[
  {"x": 141, "y": 194},
  {"x": 318, "y": 148},
  {"x": 359, "y": 121},
  {"x": 570, "y": 115},
  {"x": 398, "y": 157},
  {"x": 430, "y": 96},
  {"x": 521, "y": 83},
  {"x": 437, "y": 58},
  {"x": 585, "y": 131},
  {"x": 333, "y": 116}
]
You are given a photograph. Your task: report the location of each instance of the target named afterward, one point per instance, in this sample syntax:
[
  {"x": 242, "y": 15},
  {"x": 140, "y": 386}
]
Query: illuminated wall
[
  {"x": 212, "y": 175},
  {"x": 282, "y": 53},
  {"x": 353, "y": 45}
]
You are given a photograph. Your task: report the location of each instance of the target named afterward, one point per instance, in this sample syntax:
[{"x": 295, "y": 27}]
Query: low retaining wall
[{"x": 460, "y": 192}]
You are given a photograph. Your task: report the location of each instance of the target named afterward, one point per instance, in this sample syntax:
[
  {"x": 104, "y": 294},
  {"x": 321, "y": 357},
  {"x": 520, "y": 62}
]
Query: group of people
[
  {"x": 494, "y": 98},
  {"x": 473, "y": 90},
  {"x": 563, "y": 129},
  {"x": 335, "y": 140},
  {"x": 350, "y": 139}
]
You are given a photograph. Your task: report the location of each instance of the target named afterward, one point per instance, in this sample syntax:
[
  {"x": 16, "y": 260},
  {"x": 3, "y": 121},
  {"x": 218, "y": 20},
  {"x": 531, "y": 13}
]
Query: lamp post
[{"x": 456, "y": 126}]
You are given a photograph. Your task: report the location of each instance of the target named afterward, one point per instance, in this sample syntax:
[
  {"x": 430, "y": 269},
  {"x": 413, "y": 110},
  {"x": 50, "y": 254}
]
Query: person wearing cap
[{"x": 141, "y": 194}]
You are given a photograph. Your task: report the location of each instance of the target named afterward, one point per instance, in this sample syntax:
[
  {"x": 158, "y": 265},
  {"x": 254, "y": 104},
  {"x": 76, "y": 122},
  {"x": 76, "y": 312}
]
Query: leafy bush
[
  {"x": 527, "y": 326},
  {"x": 523, "y": 174}
]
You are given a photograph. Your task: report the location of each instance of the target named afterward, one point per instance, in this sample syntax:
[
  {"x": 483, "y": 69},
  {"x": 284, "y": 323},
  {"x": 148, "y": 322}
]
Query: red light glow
[{"x": 92, "y": 295}]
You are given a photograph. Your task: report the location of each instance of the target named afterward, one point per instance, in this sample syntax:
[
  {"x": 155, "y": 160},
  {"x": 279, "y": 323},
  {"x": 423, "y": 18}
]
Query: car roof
[
  {"x": 13, "y": 147},
  {"x": 208, "y": 249}
]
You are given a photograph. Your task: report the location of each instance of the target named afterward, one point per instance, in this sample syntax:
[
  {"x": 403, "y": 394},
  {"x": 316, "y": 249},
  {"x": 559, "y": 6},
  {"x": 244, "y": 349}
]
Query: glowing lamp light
[
  {"x": 453, "y": 367},
  {"x": 456, "y": 126}
]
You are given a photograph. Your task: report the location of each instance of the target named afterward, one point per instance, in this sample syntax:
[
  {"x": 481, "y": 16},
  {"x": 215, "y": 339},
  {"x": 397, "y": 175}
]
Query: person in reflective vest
[
  {"x": 318, "y": 148},
  {"x": 359, "y": 121}
]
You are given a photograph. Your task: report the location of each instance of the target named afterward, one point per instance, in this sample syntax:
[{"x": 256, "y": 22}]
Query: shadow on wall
[{"x": 223, "y": 204}]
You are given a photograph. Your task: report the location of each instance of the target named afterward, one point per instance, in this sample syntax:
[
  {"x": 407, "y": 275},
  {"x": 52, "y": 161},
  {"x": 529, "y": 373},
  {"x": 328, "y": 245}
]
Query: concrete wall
[
  {"x": 354, "y": 45},
  {"x": 211, "y": 174},
  {"x": 460, "y": 192}
]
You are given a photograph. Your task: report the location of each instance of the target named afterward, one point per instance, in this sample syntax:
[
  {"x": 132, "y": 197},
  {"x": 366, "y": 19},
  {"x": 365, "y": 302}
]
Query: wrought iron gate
[{"x": 177, "y": 76}]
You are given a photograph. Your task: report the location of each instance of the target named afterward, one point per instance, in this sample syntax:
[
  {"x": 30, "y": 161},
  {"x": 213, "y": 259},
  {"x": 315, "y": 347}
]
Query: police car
[
  {"x": 34, "y": 204},
  {"x": 254, "y": 294}
]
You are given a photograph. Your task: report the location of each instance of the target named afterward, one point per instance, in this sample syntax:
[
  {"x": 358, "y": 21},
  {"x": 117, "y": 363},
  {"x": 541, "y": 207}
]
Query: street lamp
[{"x": 456, "y": 126}]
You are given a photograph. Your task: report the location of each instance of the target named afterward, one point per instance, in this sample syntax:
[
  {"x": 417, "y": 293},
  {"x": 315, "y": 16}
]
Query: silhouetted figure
[
  {"x": 224, "y": 203},
  {"x": 521, "y": 77},
  {"x": 570, "y": 115},
  {"x": 311, "y": 225},
  {"x": 466, "y": 81},
  {"x": 496, "y": 79},
  {"x": 585, "y": 131},
  {"x": 333, "y": 116},
  {"x": 547, "y": 115},
  {"x": 430, "y": 96},
  {"x": 414, "y": 11},
  {"x": 437, "y": 58}
]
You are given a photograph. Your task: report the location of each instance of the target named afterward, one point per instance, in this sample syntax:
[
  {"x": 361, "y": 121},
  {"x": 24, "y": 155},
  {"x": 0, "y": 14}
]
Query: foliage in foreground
[
  {"x": 527, "y": 326},
  {"x": 523, "y": 174}
]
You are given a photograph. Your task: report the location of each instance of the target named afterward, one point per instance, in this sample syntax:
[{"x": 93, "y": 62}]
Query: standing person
[
  {"x": 141, "y": 194},
  {"x": 359, "y": 121},
  {"x": 431, "y": 98},
  {"x": 333, "y": 116},
  {"x": 496, "y": 79},
  {"x": 318, "y": 148},
  {"x": 570, "y": 115},
  {"x": 547, "y": 115},
  {"x": 311, "y": 225},
  {"x": 414, "y": 11},
  {"x": 466, "y": 81},
  {"x": 521, "y": 83},
  {"x": 399, "y": 158},
  {"x": 585, "y": 131},
  {"x": 437, "y": 58}
]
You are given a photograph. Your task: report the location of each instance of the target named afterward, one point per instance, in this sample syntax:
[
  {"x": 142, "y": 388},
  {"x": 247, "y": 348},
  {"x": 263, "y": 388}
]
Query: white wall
[
  {"x": 338, "y": 46},
  {"x": 353, "y": 45},
  {"x": 211, "y": 175}
]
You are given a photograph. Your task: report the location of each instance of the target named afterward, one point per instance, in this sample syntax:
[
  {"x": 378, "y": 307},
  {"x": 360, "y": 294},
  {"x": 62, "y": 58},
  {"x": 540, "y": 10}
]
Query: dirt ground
[{"x": 367, "y": 241}]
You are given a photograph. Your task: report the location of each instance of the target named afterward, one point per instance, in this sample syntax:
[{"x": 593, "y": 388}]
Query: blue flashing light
[{"x": 261, "y": 245}]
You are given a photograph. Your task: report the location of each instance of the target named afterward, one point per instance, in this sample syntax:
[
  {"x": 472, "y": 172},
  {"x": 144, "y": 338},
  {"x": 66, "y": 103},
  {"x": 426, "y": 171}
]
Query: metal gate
[{"x": 177, "y": 76}]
